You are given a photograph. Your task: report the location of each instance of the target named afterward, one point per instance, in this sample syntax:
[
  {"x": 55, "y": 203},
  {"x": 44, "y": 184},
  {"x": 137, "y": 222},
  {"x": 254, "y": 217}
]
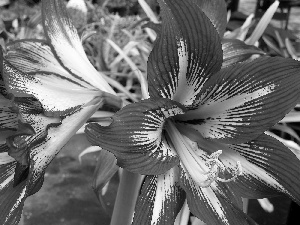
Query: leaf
[
  {"x": 263, "y": 23},
  {"x": 106, "y": 167}
]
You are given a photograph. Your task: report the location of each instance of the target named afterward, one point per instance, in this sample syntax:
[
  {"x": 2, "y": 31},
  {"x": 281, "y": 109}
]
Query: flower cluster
[{"x": 198, "y": 137}]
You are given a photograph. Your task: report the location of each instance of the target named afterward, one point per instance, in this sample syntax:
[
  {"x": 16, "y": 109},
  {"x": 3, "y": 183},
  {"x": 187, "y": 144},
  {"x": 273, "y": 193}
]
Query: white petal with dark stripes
[
  {"x": 66, "y": 45},
  {"x": 186, "y": 53},
  {"x": 241, "y": 101},
  {"x": 34, "y": 56},
  {"x": 160, "y": 200},
  {"x": 216, "y": 204},
  {"x": 56, "y": 94},
  {"x": 269, "y": 168}
]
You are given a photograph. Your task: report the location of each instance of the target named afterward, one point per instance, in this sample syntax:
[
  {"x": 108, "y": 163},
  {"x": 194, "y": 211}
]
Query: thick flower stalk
[
  {"x": 49, "y": 89},
  {"x": 200, "y": 135}
]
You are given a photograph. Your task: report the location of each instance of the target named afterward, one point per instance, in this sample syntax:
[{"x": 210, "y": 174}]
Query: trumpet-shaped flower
[
  {"x": 200, "y": 135},
  {"x": 50, "y": 90}
]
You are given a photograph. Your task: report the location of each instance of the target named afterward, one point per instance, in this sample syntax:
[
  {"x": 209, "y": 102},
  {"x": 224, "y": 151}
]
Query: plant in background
[{"x": 198, "y": 137}]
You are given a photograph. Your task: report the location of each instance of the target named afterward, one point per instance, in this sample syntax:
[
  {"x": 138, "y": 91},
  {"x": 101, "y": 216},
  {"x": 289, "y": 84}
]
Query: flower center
[{"x": 202, "y": 168}]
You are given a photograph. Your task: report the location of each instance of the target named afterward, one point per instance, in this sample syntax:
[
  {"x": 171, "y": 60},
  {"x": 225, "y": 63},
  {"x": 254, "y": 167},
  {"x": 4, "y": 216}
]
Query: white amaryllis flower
[
  {"x": 200, "y": 135},
  {"x": 55, "y": 90}
]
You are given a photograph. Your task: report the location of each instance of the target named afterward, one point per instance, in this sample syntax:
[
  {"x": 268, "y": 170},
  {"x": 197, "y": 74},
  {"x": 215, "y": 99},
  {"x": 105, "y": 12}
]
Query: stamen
[
  {"x": 203, "y": 172},
  {"x": 216, "y": 166}
]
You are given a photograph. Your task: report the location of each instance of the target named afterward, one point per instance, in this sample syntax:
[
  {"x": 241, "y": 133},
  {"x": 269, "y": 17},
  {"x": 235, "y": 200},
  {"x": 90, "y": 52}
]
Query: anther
[
  {"x": 237, "y": 172},
  {"x": 215, "y": 166}
]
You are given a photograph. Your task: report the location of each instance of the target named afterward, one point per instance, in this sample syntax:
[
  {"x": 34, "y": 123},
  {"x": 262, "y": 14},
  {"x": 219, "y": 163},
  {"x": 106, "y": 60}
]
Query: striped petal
[
  {"x": 10, "y": 198},
  {"x": 8, "y": 114},
  {"x": 236, "y": 51},
  {"x": 20, "y": 144},
  {"x": 269, "y": 168},
  {"x": 66, "y": 45},
  {"x": 136, "y": 136},
  {"x": 242, "y": 101},
  {"x": 216, "y": 204},
  {"x": 43, "y": 146},
  {"x": 42, "y": 154},
  {"x": 216, "y": 11},
  {"x": 209, "y": 200},
  {"x": 51, "y": 91},
  {"x": 8, "y": 118},
  {"x": 270, "y": 165},
  {"x": 160, "y": 200},
  {"x": 187, "y": 51},
  {"x": 35, "y": 56}
]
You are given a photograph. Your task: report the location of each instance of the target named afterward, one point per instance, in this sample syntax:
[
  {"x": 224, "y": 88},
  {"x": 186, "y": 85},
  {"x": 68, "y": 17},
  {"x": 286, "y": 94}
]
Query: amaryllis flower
[
  {"x": 200, "y": 135},
  {"x": 52, "y": 89}
]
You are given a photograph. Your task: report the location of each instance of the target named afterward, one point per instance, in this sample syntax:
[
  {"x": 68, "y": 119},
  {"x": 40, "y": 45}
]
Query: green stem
[{"x": 128, "y": 191}]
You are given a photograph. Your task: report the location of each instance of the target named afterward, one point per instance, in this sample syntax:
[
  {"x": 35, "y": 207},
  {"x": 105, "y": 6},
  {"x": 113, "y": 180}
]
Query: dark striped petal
[
  {"x": 66, "y": 45},
  {"x": 236, "y": 51},
  {"x": 34, "y": 56},
  {"x": 268, "y": 167},
  {"x": 242, "y": 101},
  {"x": 136, "y": 136},
  {"x": 216, "y": 11},
  {"x": 8, "y": 117},
  {"x": 216, "y": 204},
  {"x": 187, "y": 51},
  {"x": 271, "y": 168},
  {"x": 160, "y": 200}
]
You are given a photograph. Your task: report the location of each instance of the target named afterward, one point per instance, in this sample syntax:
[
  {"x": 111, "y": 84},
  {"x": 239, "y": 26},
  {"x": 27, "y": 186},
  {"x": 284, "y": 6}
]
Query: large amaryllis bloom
[
  {"x": 51, "y": 89},
  {"x": 200, "y": 135}
]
